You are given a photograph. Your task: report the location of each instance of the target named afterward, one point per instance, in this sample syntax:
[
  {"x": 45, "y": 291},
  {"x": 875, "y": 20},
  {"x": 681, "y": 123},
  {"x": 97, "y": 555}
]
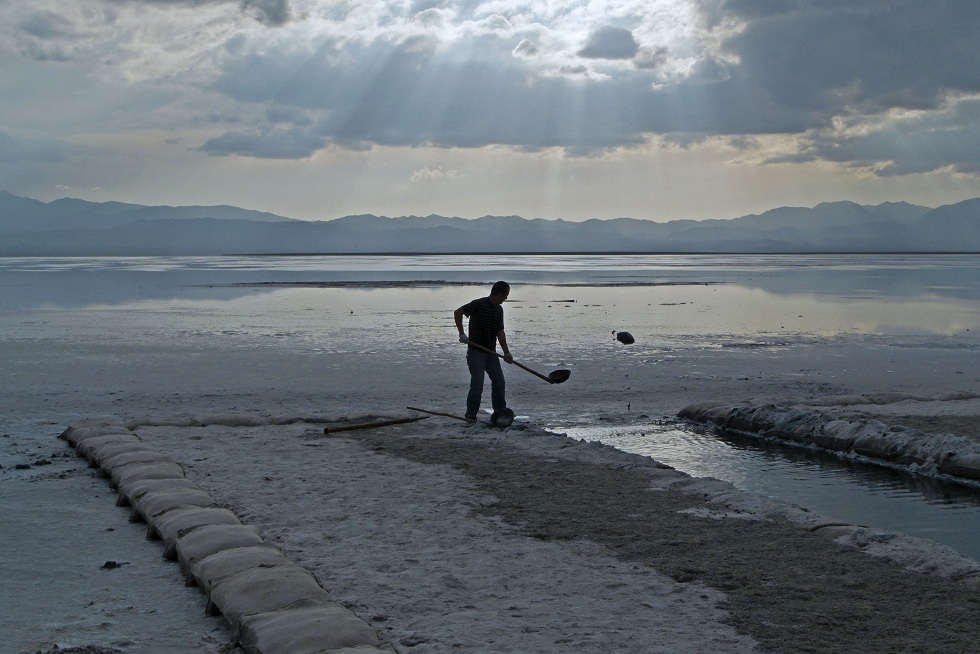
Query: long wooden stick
[
  {"x": 439, "y": 413},
  {"x": 372, "y": 425}
]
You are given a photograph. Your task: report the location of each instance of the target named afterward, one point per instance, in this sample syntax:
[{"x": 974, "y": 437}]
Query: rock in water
[{"x": 625, "y": 338}]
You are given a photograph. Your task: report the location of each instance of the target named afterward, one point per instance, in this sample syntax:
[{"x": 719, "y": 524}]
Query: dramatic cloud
[
  {"x": 47, "y": 25},
  {"x": 838, "y": 55},
  {"x": 274, "y": 12},
  {"x": 709, "y": 70},
  {"x": 884, "y": 85},
  {"x": 525, "y": 49},
  {"x": 908, "y": 142},
  {"x": 610, "y": 43},
  {"x": 277, "y": 143},
  {"x": 450, "y": 77},
  {"x": 426, "y": 174}
]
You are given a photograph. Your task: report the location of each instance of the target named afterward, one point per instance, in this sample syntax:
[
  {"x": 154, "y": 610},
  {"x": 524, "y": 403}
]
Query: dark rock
[
  {"x": 111, "y": 565},
  {"x": 625, "y": 338}
]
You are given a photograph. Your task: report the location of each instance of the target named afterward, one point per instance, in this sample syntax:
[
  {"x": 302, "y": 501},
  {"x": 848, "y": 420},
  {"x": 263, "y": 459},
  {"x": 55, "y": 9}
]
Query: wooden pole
[
  {"x": 372, "y": 425},
  {"x": 439, "y": 413}
]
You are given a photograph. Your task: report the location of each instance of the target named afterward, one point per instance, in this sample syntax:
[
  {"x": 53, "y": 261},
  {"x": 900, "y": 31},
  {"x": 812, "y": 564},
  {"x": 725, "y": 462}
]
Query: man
[{"x": 486, "y": 328}]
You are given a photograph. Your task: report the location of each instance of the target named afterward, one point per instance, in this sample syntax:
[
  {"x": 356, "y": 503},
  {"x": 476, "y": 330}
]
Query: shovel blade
[{"x": 559, "y": 376}]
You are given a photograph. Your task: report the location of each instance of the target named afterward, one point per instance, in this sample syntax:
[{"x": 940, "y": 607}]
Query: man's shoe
[{"x": 502, "y": 418}]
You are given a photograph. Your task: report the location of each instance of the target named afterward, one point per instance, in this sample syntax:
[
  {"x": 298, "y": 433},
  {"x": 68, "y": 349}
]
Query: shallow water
[
  {"x": 574, "y": 303},
  {"x": 840, "y": 489}
]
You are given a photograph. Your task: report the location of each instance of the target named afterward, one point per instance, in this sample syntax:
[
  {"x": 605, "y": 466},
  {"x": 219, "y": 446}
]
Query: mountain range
[{"x": 72, "y": 227}]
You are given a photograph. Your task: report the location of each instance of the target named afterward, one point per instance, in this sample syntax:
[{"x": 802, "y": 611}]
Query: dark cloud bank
[{"x": 790, "y": 68}]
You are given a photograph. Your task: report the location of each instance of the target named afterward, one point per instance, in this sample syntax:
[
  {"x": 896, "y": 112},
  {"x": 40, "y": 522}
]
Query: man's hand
[
  {"x": 463, "y": 338},
  {"x": 508, "y": 357}
]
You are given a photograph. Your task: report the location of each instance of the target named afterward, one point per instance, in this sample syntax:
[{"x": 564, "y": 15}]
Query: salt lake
[{"x": 563, "y": 310}]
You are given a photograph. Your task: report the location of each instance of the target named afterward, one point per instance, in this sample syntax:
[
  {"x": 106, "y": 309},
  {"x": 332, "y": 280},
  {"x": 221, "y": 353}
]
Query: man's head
[{"x": 499, "y": 292}]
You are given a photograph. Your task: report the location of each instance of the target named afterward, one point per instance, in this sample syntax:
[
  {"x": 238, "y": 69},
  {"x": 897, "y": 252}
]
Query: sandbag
[
  {"x": 128, "y": 458},
  {"x": 172, "y": 524},
  {"x": 260, "y": 590},
  {"x": 698, "y": 410},
  {"x": 753, "y": 419},
  {"x": 162, "y": 422},
  {"x": 99, "y": 455},
  {"x": 839, "y": 400},
  {"x": 306, "y": 630},
  {"x": 227, "y": 562},
  {"x": 796, "y": 426},
  {"x": 137, "y": 488},
  {"x": 967, "y": 465},
  {"x": 780, "y": 400},
  {"x": 234, "y": 421},
  {"x": 873, "y": 441},
  {"x": 837, "y": 435},
  {"x": 891, "y": 398},
  {"x": 76, "y": 435},
  {"x": 89, "y": 445},
  {"x": 207, "y": 540},
  {"x": 156, "y": 502},
  {"x": 124, "y": 475},
  {"x": 956, "y": 395}
]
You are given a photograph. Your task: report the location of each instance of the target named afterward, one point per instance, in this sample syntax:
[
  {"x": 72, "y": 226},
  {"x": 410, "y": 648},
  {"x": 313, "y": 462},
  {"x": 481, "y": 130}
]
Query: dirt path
[{"x": 791, "y": 590}]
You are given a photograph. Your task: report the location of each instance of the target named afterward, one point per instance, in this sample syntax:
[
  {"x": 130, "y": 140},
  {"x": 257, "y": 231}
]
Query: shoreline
[
  {"x": 595, "y": 253},
  {"x": 935, "y": 437},
  {"x": 421, "y": 283}
]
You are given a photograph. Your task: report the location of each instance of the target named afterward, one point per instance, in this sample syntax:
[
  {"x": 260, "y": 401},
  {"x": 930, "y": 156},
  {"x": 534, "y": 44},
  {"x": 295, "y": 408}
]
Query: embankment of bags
[{"x": 273, "y": 605}]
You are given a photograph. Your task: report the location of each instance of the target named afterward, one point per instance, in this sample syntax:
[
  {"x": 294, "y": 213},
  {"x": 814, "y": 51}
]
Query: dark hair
[{"x": 500, "y": 288}]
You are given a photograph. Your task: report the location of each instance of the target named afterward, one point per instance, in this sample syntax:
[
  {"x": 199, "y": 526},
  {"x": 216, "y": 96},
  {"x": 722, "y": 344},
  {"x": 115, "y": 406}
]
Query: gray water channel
[{"x": 838, "y": 488}]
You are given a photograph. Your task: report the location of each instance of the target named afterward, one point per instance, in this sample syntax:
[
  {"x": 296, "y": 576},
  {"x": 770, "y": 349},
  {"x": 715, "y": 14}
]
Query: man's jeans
[{"x": 481, "y": 363}]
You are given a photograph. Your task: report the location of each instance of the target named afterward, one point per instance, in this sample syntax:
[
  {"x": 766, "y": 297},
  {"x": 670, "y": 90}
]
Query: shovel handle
[
  {"x": 440, "y": 413},
  {"x": 519, "y": 365}
]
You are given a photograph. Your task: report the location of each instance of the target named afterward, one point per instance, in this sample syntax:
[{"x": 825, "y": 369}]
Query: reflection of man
[{"x": 486, "y": 328}]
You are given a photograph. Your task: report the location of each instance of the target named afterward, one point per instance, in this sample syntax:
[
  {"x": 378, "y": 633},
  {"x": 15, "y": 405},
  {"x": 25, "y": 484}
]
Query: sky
[{"x": 651, "y": 109}]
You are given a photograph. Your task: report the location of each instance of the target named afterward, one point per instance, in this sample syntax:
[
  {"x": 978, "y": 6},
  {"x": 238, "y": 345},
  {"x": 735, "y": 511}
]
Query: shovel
[{"x": 554, "y": 377}]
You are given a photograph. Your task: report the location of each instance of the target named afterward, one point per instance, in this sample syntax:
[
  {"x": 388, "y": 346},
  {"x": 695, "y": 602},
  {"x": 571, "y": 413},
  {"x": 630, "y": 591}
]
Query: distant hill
[
  {"x": 19, "y": 214},
  {"x": 71, "y": 227}
]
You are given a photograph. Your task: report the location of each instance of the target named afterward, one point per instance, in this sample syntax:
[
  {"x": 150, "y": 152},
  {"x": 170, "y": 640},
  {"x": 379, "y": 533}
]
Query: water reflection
[
  {"x": 836, "y": 276},
  {"x": 840, "y": 489},
  {"x": 661, "y": 318},
  {"x": 570, "y": 306}
]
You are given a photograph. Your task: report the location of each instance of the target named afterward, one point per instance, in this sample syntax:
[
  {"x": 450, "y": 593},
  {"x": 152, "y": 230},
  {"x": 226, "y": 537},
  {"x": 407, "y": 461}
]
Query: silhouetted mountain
[
  {"x": 19, "y": 214},
  {"x": 80, "y": 228},
  {"x": 950, "y": 227}
]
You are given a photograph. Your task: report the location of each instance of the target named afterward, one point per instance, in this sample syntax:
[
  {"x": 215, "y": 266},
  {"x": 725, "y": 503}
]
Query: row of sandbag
[
  {"x": 236, "y": 420},
  {"x": 948, "y": 454},
  {"x": 273, "y": 605}
]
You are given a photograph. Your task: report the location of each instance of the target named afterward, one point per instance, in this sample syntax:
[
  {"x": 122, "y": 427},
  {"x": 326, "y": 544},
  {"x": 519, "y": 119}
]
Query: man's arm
[
  {"x": 502, "y": 338},
  {"x": 458, "y": 317}
]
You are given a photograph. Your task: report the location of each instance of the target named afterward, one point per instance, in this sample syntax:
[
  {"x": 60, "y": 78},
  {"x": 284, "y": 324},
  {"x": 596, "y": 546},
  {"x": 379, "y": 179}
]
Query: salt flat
[{"x": 397, "y": 527}]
